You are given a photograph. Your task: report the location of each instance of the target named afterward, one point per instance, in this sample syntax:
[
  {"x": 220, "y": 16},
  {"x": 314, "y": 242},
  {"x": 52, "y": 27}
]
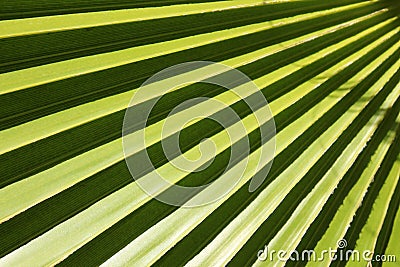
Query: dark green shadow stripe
[
  {"x": 36, "y": 157},
  {"x": 111, "y": 237},
  {"x": 386, "y": 231},
  {"x": 28, "y": 51},
  {"x": 36, "y": 220},
  {"x": 364, "y": 210},
  {"x": 218, "y": 220},
  {"x": 27, "y": 8},
  {"x": 75, "y": 91},
  {"x": 321, "y": 223},
  {"x": 280, "y": 216},
  {"x": 139, "y": 221}
]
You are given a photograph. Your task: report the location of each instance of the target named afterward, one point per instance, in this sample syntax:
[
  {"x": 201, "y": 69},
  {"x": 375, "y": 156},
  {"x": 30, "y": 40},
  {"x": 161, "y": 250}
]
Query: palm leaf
[{"x": 330, "y": 71}]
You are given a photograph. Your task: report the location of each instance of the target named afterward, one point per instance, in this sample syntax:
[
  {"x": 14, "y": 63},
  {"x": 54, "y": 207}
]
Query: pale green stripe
[
  {"x": 313, "y": 83},
  {"x": 37, "y": 25},
  {"x": 70, "y": 235},
  {"x": 54, "y": 180},
  {"x": 49, "y": 125},
  {"x": 344, "y": 216},
  {"x": 231, "y": 239},
  {"x": 192, "y": 217},
  {"x": 393, "y": 247},
  {"x": 293, "y": 231},
  {"x": 158, "y": 239},
  {"x": 370, "y": 231},
  {"x": 22, "y": 79},
  {"x": 81, "y": 224}
]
